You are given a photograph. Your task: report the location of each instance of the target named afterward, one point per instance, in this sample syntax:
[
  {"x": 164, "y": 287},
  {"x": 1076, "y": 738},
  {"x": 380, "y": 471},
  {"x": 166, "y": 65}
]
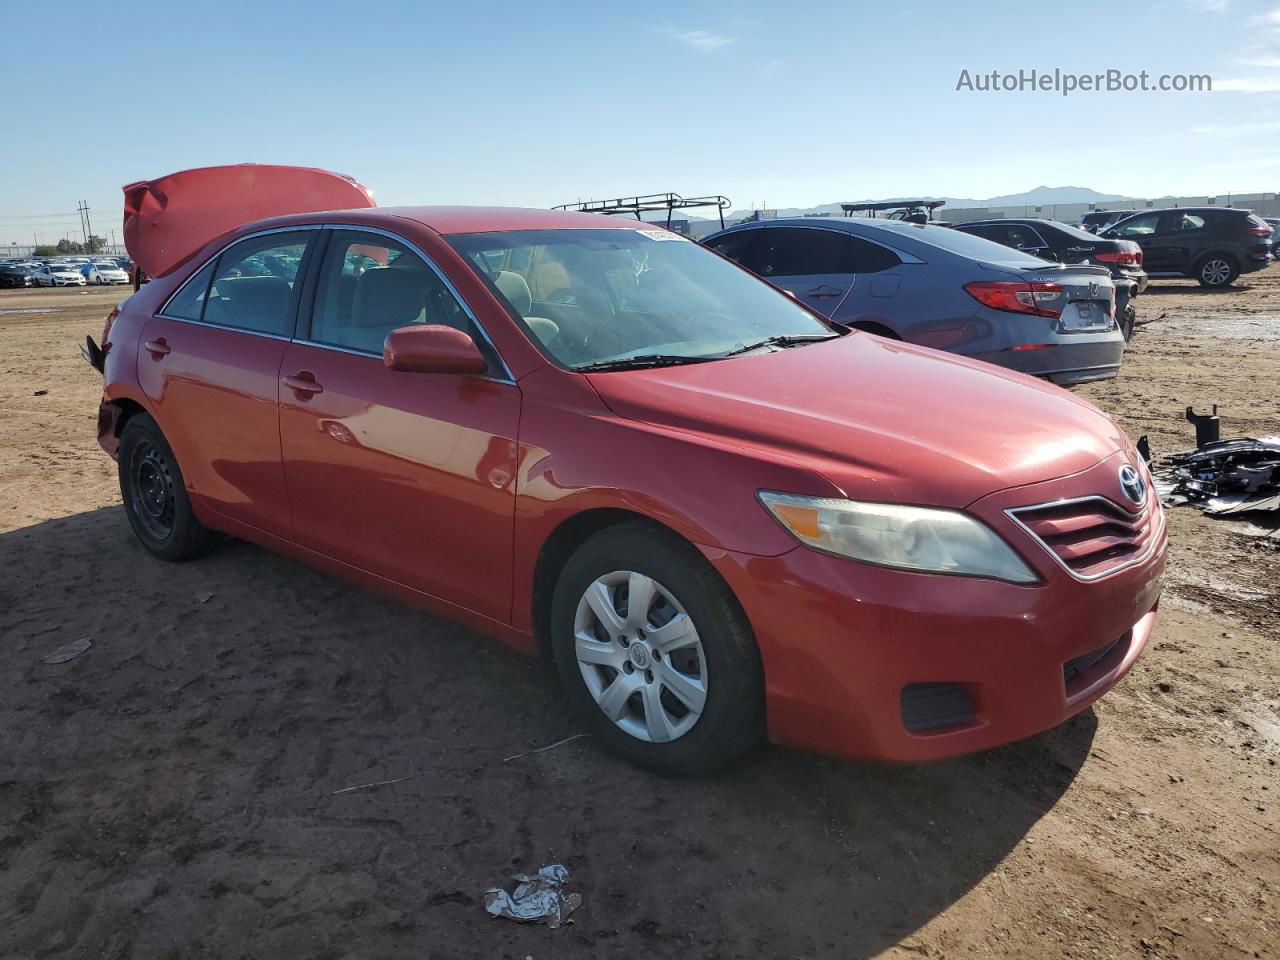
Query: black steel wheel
[{"x": 155, "y": 495}]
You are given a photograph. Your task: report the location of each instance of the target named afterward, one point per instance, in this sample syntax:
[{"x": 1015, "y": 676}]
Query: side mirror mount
[{"x": 423, "y": 348}]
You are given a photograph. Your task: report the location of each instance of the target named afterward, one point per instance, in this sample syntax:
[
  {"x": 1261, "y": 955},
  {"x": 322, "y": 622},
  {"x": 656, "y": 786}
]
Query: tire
[
  {"x": 155, "y": 496},
  {"x": 1217, "y": 270},
  {"x": 714, "y": 666}
]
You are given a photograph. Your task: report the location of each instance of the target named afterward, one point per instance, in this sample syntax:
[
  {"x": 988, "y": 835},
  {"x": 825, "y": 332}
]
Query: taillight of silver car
[{"x": 1037, "y": 299}]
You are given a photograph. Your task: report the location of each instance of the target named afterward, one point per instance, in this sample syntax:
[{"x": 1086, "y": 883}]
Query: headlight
[{"x": 892, "y": 535}]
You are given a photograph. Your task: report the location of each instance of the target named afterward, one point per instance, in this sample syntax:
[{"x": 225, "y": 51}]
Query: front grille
[
  {"x": 935, "y": 706},
  {"x": 1092, "y": 537}
]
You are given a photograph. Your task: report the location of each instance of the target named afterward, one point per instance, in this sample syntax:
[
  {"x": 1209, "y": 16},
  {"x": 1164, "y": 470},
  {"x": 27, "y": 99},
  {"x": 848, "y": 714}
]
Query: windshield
[{"x": 594, "y": 296}]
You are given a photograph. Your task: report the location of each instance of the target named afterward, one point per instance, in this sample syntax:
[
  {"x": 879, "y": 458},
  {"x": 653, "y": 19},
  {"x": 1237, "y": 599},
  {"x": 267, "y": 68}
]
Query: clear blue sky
[{"x": 534, "y": 104}]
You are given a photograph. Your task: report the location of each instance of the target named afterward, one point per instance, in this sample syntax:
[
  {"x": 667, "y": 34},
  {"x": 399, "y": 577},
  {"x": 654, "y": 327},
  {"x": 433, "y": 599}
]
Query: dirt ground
[{"x": 174, "y": 792}]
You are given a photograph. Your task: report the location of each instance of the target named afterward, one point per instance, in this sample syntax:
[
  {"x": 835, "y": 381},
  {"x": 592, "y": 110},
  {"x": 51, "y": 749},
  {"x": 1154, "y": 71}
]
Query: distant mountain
[
  {"x": 1040, "y": 196},
  {"x": 1044, "y": 196}
]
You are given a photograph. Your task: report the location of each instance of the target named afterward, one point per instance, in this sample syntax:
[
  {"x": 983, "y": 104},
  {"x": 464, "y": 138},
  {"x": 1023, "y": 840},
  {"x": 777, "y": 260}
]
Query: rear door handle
[
  {"x": 303, "y": 383},
  {"x": 157, "y": 348},
  {"x": 824, "y": 291}
]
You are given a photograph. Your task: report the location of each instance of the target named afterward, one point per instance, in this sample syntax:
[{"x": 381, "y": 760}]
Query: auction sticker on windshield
[{"x": 660, "y": 235}]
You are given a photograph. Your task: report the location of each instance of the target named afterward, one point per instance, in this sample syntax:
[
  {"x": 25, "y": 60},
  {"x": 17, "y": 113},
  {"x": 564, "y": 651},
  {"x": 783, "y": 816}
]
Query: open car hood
[{"x": 168, "y": 219}]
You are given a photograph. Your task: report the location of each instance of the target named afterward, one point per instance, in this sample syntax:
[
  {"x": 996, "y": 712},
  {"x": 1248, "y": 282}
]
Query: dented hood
[
  {"x": 881, "y": 420},
  {"x": 168, "y": 219}
]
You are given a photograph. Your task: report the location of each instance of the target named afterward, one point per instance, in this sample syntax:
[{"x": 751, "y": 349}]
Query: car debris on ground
[
  {"x": 536, "y": 899},
  {"x": 1222, "y": 476},
  {"x": 68, "y": 651}
]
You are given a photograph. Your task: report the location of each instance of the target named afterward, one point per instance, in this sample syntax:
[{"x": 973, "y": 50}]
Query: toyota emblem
[{"x": 1132, "y": 485}]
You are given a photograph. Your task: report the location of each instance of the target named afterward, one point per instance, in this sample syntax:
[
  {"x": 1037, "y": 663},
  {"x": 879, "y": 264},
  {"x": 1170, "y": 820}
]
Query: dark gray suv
[{"x": 1211, "y": 244}]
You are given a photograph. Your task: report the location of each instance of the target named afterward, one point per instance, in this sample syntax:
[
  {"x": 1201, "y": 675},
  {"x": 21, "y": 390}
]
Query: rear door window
[
  {"x": 803, "y": 252},
  {"x": 870, "y": 257},
  {"x": 254, "y": 284},
  {"x": 188, "y": 303}
]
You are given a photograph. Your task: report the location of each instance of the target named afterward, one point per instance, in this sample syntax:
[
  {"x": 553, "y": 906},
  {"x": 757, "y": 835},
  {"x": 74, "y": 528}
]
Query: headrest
[
  {"x": 260, "y": 302},
  {"x": 515, "y": 289},
  {"x": 389, "y": 297}
]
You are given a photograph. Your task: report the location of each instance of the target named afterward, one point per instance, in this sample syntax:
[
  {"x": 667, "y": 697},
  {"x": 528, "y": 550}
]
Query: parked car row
[
  {"x": 63, "y": 272},
  {"x": 721, "y": 515}
]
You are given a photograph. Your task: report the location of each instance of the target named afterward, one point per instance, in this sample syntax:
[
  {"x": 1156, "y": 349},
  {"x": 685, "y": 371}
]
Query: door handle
[
  {"x": 824, "y": 291},
  {"x": 303, "y": 384},
  {"x": 157, "y": 348}
]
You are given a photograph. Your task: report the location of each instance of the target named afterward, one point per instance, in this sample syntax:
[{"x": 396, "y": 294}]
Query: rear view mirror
[{"x": 432, "y": 349}]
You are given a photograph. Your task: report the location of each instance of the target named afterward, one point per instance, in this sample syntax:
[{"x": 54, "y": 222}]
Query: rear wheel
[
  {"x": 655, "y": 652},
  {"x": 1216, "y": 270},
  {"x": 1127, "y": 322},
  {"x": 155, "y": 497}
]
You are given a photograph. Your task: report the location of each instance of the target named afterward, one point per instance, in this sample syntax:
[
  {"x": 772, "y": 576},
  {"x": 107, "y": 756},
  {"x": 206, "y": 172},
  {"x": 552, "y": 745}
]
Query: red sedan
[{"x": 722, "y": 516}]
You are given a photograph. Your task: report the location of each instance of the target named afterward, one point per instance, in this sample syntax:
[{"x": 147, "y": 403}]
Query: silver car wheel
[
  {"x": 1215, "y": 272},
  {"x": 640, "y": 656}
]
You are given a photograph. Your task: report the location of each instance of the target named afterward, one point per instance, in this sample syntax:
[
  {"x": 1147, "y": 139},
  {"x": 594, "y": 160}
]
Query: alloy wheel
[
  {"x": 1215, "y": 272},
  {"x": 640, "y": 656}
]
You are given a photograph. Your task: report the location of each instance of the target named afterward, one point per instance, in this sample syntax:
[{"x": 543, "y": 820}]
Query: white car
[
  {"x": 101, "y": 273},
  {"x": 60, "y": 275}
]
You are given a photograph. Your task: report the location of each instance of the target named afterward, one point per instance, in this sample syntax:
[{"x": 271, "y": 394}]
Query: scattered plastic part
[
  {"x": 68, "y": 651},
  {"x": 370, "y": 786},
  {"x": 1208, "y": 426},
  {"x": 536, "y": 899},
  {"x": 552, "y": 746},
  {"x": 1224, "y": 476},
  {"x": 1144, "y": 448}
]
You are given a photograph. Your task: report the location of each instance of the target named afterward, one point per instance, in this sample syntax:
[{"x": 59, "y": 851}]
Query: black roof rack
[
  {"x": 649, "y": 203},
  {"x": 851, "y": 209}
]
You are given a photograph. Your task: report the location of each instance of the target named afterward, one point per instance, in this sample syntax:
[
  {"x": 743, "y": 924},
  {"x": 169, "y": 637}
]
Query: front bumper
[{"x": 843, "y": 642}]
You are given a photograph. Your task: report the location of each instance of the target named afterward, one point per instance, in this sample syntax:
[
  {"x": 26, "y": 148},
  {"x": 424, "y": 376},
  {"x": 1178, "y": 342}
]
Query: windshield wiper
[
  {"x": 786, "y": 340},
  {"x": 643, "y": 360}
]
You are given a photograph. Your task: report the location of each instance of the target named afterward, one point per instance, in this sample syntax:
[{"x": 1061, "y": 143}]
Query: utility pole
[{"x": 85, "y": 226}]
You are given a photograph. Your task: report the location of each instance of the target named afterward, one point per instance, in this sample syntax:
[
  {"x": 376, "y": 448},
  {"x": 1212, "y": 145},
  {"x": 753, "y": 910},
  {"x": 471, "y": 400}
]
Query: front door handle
[
  {"x": 157, "y": 348},
  {"x": 303, "y": 384},
  {"x": 824, "y": 291}
]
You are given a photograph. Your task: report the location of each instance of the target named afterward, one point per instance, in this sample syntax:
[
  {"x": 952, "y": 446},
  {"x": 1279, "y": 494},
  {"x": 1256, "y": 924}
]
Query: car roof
[
  {"x": 1039, "y": 221},
  {"x": 849, "y": 224},
  {"x": 455, "y": 220},
  {"x": 1194, "y": 210}
]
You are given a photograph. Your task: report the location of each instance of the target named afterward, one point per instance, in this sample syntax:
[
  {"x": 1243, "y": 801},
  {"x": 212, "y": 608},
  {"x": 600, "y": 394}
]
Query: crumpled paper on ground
[{"x": 536, "y": 899}]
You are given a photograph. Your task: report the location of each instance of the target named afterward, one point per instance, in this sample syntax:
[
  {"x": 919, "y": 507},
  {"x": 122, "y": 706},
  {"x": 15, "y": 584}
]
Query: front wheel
[
  {"x": 1216, "y": 270},
  {"x": 155, "y": 496},
  {"x": 656, "y": 653}
]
